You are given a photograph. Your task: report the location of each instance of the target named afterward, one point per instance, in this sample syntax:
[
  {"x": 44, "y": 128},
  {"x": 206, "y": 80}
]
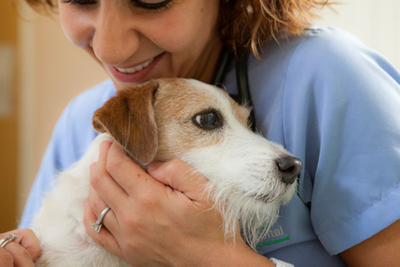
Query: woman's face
[{"x": 136, "y": 40}]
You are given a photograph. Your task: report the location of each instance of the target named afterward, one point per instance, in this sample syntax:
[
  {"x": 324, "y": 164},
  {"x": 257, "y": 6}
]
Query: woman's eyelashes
[
  {"x": 149, "y": 5},
  {"x": 79, "y": 2},
  {"x": 152, "y": 5}
]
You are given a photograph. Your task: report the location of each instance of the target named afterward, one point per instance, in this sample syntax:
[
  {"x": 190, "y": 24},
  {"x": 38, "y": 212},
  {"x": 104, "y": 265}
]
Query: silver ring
[
  {"x": 99, "y": 223},
  {"x": 4, "y": 241}
]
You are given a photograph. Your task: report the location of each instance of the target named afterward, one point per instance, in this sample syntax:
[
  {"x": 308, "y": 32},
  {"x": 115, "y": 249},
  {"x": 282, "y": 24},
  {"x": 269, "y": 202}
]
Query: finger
[
  {"x": 104, "y": 238},
  {"x": 28, "y": 239},
  {"x": 20, "y": 255},
  {"x": 6, "y": 259},
  {"x": 106, "y": 192},
  {"x": 96, "y": 203},
  {"x": 181, "y": 177},
  {"x": 129, "y": 176},
  {"x": 110, "y": 221},
  {"x": 124, "y": 170}
]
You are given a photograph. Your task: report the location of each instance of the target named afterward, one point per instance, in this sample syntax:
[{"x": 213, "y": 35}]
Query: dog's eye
[{"x": 208, "y": 120}]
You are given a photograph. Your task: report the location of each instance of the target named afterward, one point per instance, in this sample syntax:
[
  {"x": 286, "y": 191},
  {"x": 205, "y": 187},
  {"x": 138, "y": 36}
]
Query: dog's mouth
[
  {"x": 263, "y": 198},
  {"x": 272, "y": 196}
]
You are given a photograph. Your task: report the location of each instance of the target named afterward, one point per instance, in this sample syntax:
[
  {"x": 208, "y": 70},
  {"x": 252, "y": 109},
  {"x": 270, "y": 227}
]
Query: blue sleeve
[
  {"x": 342, "y": 101},
  {"x": 58, "y": 156},
  {"x": 71, "y": 137}
]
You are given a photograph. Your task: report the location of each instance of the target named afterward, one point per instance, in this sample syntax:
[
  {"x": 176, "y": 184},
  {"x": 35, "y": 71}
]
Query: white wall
[{"x": 375, "y": 22}]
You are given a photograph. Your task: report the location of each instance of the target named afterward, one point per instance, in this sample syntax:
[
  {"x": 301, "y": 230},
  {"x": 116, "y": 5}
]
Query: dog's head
[
  {"x": 199, "y": 123},
  {"x": 163, "y": 119}
]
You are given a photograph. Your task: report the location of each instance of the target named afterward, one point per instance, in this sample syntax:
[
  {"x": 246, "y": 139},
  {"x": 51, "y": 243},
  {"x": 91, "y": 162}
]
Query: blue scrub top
[{"x": 329, "y": 100}]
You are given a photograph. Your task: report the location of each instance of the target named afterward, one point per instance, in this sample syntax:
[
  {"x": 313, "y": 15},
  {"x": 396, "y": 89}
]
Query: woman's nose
[{"x": 115, "y": 38}]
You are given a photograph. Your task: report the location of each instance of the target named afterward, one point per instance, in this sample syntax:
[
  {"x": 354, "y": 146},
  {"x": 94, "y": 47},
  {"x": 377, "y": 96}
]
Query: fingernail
[
  {"x": 104, "y": 145},
  {"x": 86, "y": 203},
  {"x": 154, "y": 166}
]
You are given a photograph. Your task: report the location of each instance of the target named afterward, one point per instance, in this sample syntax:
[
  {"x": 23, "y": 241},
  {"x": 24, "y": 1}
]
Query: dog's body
[{"x": 160, "y": 121}]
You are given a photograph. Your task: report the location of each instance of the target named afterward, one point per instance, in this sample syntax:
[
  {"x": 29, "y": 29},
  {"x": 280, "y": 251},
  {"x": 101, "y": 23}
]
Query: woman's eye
[
  {"x": 208, "y": 120},
  {"x": 152, "y": 5},
  {"x": 80, "y": 2},
  {"x": 149, "y": 5}
]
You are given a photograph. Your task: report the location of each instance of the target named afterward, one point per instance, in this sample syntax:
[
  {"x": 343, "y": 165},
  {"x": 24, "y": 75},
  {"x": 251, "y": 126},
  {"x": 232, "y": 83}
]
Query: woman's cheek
[{"x": 76, "y": 25}]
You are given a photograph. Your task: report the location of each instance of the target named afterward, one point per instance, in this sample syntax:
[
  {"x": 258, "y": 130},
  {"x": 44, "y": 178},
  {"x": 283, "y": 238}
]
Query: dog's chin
[
  {"x": 281, "y": 198},
  {"x": 288, "y": 194},
  {"x": 263, "y": 198}
]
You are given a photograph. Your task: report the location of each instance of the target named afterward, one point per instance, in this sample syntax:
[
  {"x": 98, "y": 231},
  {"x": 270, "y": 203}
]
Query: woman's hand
[
  {"x": 165, "y": 220},
  {"x": 23, "y": 251}
]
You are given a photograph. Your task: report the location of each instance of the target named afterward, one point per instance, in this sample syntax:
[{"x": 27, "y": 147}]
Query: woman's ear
[{"x": 129, "y": 118}]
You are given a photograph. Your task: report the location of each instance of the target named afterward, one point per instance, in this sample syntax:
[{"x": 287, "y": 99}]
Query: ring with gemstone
[
  {"x": 4, "y": 241},
  {"x": 99, "y": 223}
]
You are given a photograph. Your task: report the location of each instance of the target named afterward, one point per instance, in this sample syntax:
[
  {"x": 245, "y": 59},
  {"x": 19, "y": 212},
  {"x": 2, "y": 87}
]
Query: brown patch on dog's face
[
  {"x": 176, "y": 106},
  {"x": 159, "y": 121},
  {"x": 177, "y": 103}
]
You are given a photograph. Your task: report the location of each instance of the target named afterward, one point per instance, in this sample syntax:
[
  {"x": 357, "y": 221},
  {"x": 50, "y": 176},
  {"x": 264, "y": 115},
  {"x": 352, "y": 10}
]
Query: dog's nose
[{"x": 289, "y": 167}]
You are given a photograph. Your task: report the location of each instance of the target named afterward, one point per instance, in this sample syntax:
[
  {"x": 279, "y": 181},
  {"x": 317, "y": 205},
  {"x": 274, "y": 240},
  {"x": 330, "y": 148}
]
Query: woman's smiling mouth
[
  {"x": 135, "y": 74},
  {"x": 136, "y": 68}
]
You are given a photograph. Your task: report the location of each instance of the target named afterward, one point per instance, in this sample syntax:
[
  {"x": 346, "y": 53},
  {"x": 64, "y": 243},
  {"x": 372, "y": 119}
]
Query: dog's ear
[{"x": 129, "y": 118}]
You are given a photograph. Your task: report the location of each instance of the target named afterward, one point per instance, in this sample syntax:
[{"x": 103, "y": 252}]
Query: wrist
[{"x": 238, "y": 254}]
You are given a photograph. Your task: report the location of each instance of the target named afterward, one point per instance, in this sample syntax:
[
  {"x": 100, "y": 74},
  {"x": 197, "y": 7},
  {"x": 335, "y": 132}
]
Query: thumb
[{"x": 180, "y": 176}]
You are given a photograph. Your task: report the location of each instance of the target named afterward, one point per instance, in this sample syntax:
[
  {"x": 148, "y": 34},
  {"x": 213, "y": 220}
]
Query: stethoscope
[{"x": 242, "y": 80}]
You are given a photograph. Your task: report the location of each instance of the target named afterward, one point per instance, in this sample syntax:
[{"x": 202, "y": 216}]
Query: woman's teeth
[{"x": 136, "y": 68}]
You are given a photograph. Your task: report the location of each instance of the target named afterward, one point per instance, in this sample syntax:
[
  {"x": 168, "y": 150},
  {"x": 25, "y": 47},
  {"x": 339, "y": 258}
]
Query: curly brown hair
[{"x": 247, "y": 24}]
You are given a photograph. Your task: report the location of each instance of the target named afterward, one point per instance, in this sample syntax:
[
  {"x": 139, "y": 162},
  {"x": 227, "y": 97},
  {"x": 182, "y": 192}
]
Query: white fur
[
  {"x": 241, "y": 166},
  {"x": 59, "y": 223}
]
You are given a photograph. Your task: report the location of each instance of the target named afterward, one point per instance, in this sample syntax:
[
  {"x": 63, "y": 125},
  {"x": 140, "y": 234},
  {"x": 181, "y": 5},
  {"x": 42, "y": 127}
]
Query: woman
[{"x": 331, "y": 101}]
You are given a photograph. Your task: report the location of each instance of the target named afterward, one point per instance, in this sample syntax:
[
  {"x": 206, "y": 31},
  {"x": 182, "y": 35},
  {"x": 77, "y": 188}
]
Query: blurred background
[{"x": 40, "y": 72}]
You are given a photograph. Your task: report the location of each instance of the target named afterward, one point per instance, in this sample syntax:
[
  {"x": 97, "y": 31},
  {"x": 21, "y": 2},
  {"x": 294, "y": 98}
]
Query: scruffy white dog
[{"x": 159, "y": 121}]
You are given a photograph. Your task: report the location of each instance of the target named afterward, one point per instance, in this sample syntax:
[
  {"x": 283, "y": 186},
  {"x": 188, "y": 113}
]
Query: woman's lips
[
  {"x": 135, "y": 74},
  {"x": 136, "y": 68}
]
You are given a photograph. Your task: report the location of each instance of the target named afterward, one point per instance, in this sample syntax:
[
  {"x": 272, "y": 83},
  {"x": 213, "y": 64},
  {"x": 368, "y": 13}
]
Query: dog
[{"x": 158, "y": 121}]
